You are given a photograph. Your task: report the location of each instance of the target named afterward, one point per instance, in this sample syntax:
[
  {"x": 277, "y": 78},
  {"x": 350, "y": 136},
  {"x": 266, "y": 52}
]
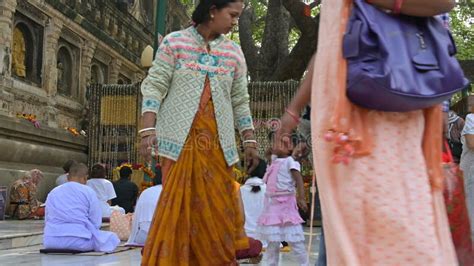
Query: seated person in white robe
[
  {"x": 104, "y": 190},
  {"x": 253, "y": 195},
  {"x": 73, "y": 217},
  {"x": 143, "y": 215}
]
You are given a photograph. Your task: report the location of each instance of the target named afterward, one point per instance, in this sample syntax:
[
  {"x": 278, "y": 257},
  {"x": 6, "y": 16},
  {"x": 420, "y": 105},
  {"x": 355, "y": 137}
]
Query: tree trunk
[
  {"x": 275, "y": 39},
  {"x": 273, "y": 60},
  {"x": 247, "y": 42}
]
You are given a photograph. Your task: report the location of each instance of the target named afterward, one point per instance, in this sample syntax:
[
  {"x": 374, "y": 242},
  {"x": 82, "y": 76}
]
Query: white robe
[
  {"x": 253, "y": 204},
  {"x": 143, "y": 215},
  {"x": 105, "y": 191},
  {"x": 61, "y": 179},
  {"x": 73, "y": 219}
]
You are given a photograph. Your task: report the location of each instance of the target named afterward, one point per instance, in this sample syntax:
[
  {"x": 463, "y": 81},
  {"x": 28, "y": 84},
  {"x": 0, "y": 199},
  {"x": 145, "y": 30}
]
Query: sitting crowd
[{"x": 76, "y": 208}]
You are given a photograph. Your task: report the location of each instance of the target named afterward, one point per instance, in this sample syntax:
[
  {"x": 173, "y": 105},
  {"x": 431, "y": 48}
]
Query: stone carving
[
  {"x": 32, "y": 12},
  {"x": 60, "y": 79},
  {"x": 19, "y": 52},
  {"x": 4, "y": 60}
]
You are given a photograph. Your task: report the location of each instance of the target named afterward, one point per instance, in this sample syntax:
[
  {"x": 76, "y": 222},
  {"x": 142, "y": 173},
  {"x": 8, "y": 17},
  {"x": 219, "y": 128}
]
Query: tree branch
[
  {"x": 247, "y": 42},
  {"x": 296, "y": 8},
  {"x": 294, "y": 65}
]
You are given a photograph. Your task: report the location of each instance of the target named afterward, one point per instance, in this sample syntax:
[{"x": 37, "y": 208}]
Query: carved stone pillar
[
  {"x": 7, "y": 10},
  {"x": 87, "y": 53},
  {"x": 114, "y": 71},
  {"x": 52, "y": 34},
  {"x": 138, "y": 77}
]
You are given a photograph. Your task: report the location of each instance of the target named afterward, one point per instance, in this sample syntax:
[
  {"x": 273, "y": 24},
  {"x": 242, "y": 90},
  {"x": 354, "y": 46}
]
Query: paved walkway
[{"x": 31, "y": 256}]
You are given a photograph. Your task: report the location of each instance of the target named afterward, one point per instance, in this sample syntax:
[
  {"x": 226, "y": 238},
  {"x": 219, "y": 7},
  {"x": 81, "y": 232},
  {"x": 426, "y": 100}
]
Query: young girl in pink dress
[{"x": 280, "y": 220}]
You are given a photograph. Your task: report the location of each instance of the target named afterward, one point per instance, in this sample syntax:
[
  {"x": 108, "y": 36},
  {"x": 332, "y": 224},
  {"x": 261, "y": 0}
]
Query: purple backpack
[{"x": 399, "y": 63}]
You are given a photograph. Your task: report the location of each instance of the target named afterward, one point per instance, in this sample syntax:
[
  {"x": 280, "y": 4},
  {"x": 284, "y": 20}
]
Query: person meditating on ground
[
  {"x": 104, "y": 190},
  {"x": 74, "y": 217},
  {"x": 63, "y": 178},
  {"x": 126, "y": 190},
  {"x": 23, "y": 201},
  {"x": 143, "y": 215}
]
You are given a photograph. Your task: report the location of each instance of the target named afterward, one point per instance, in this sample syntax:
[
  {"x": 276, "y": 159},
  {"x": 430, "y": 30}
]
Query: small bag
[
  {"x": 121, "y": 224},
  {"x": 399, "y": 63}
]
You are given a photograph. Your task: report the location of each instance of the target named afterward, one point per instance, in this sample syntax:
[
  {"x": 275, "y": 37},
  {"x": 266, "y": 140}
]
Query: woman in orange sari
[{"x": 193, "y": 97}]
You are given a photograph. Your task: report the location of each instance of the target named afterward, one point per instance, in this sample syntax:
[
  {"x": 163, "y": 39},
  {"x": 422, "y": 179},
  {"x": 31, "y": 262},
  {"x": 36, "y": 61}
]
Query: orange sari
[{"x": 198, "y": 220}]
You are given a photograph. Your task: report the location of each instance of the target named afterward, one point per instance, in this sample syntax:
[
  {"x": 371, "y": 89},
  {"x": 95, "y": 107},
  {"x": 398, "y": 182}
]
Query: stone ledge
[{"x": 24, "y": 131}]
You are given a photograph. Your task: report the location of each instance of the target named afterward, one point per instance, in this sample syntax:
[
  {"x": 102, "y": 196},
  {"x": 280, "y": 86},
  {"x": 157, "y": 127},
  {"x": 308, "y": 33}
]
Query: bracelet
[
  {"x": 295, "y": 117},
  {"x": 397, "y": 6},
  {"x": 146, "y": 129},
  {"x": 250, "y": 145},
  {"x": 147, "y": 133}
]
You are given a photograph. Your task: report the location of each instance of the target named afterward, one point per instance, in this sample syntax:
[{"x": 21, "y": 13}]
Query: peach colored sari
[{"x": 381, "y": 208}]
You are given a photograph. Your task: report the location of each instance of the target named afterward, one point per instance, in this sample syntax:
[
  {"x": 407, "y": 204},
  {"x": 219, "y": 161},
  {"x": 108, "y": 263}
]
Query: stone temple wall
[{"x": 50, "y": 50}]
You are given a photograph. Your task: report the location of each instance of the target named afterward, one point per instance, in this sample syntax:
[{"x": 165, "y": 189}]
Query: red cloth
[
  {"x": 252, "y": 252},
  {"x": 455, "y": 201}
]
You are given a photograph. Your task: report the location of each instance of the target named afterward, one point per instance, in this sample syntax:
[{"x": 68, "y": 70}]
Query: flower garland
[{"x": 29, "y": 117}]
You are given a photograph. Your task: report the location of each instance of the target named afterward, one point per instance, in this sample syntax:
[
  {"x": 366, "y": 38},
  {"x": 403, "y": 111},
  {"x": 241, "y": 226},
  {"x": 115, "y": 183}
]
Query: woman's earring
[{"x": 212, "y": 16}]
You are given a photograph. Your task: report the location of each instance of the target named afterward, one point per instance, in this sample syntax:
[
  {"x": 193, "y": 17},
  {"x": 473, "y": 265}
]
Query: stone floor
[{"x": 30, "y": 255}]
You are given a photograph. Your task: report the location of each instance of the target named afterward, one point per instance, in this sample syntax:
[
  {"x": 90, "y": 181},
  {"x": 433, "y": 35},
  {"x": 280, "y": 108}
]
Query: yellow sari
[{"x": 198, "y": 220}]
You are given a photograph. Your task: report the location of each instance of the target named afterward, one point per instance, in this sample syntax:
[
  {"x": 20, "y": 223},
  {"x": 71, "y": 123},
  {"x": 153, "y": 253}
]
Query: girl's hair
[
  {"x": 256, "y": 189},
  {"x": 201, "y": 13}
]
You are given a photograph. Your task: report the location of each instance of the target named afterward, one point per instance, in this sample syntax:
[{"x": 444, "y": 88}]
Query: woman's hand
[
  {"x": 251, "y": 159},
  {"x": 282, "y": 143},
  {"x": 146, "y": 145}
]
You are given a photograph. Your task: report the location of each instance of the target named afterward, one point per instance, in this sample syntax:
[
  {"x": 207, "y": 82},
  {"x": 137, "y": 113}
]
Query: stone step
[
  {"x": 25, "y": 233},
  {"x": 21, "y": 240}
]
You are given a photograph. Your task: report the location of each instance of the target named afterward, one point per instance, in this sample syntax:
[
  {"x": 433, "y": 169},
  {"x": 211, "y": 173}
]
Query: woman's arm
[
  {"x": 303, "y": 95},
  {"x": 154, "y": 89},
  {"x": 469, "y": 141},
  {"x": 421, "y": 8},
  {"x": 281, "y": 141},
  {"x": 468, "y": 131},
  {"x": 147, "y": 142},
  {"x": 240, "y": 101}
]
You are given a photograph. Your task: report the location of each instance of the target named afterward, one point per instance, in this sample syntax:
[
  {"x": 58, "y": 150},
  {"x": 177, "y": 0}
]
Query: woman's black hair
[
  {"x": 98, "y": 171},
  {"x": 68, "y": 165},
  {"x": 125, "y": 172},
  {"x": 201, "y": 13}
]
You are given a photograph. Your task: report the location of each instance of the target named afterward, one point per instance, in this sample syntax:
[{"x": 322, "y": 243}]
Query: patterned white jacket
[{"x": 176, "y": 81}]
